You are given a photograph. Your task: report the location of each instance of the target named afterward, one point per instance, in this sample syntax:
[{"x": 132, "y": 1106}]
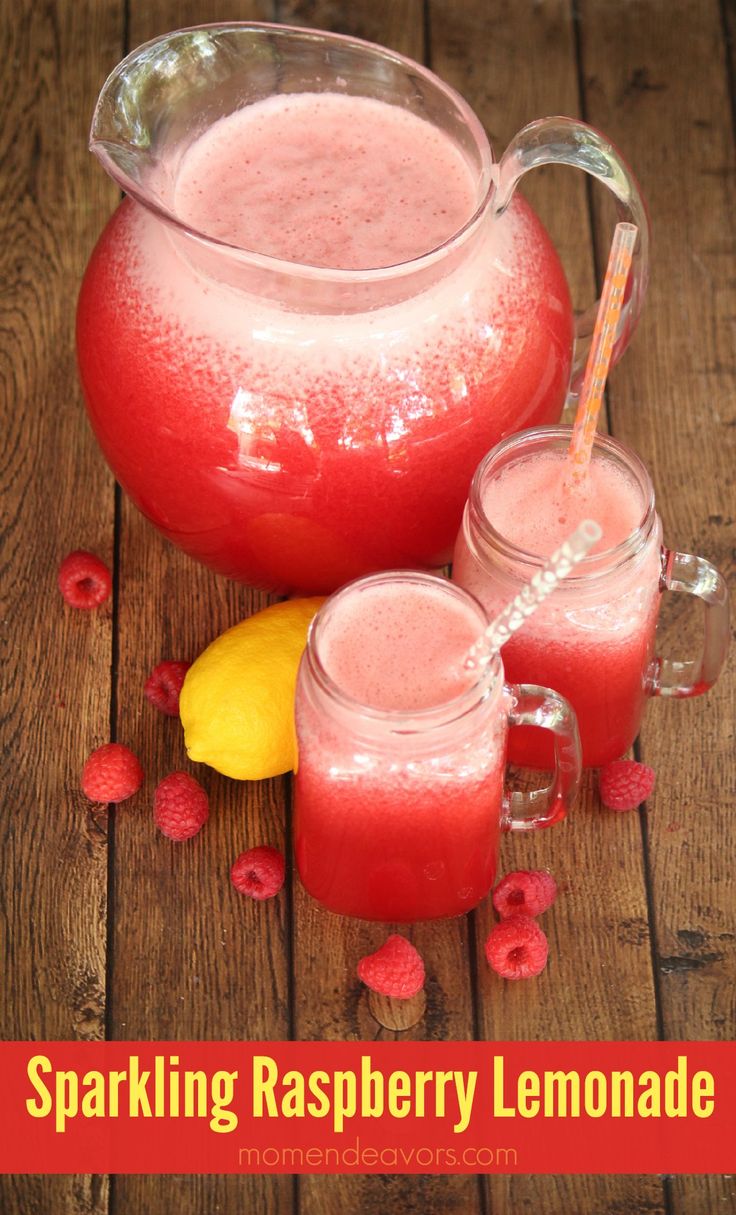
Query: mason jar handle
[
  {"x": 694, "y": 576},
  {"x": 535, "y": 706},
  {"x": 565, "y": 141}
]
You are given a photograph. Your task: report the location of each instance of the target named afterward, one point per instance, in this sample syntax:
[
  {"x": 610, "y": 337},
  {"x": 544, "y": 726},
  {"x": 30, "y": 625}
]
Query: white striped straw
[{"x": 562, "y": 561}]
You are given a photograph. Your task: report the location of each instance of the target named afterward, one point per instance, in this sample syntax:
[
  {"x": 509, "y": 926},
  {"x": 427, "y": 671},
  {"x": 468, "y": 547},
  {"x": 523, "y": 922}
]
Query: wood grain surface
[
  {"x": 106, "y": 928},
  {"x": 57, "y": 495}
]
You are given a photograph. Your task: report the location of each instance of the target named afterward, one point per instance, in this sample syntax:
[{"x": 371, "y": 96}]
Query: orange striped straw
[{"x": 599, "y": 356}]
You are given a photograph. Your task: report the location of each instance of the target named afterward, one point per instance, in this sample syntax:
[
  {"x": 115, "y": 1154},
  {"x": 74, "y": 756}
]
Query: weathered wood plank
[
  {"x": 398, "y": 24},
  {"x": 514, "y": 63},
  {"x": 209, "y": 964},
  {"x": 673, "y": 400},
  {"x": 57, "y": 496}
]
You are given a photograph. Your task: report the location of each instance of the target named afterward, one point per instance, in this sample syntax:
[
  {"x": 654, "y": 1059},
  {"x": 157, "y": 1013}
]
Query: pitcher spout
[{"x": 151, "y": 106}]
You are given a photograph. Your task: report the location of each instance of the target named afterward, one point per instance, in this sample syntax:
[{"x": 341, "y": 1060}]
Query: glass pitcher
[{"x": 291, "y": 425}]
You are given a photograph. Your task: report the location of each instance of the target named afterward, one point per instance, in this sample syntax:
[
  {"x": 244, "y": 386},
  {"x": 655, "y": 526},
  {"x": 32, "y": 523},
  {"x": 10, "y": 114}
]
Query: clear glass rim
[
  {"x": 488, "y": 681},
  {"x": 486, "y": 184},
  {"x": 595, "y": 565}
]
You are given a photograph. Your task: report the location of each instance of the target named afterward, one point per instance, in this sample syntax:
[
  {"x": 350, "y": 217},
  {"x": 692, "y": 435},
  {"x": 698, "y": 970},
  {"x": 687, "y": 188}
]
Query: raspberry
[
  {"x": 180, "y": 806},
  {"x": 396, "y": 969},
  {"x": 84, "y": 580},
  {"x": 164, "y": 684},
  {"x": 259, "y": 872},
  {"x": 624, "y": 784},
  {"x": 525, "y": 892},
  {"x": 111, "y": 774},
  {"x": 517, "y": 948}
]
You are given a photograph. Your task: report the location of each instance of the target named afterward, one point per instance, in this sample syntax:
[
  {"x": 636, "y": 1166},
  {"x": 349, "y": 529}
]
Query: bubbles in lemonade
[
  {"x": 327, "y": 180},
  {"x": 289, "y": 432},
  {"x": 400, "y": 647},
  {"x": 530, "y": 502}
]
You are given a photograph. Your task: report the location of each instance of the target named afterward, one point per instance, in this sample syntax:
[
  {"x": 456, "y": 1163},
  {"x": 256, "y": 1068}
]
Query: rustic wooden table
[{"x": 106, "y": 928}]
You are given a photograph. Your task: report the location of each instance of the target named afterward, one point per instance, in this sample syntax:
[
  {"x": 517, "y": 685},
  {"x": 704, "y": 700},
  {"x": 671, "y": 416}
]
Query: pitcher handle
[{"x": 565, "y": 141}]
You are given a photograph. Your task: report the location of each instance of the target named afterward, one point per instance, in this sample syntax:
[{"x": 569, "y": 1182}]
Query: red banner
[{"x": 368, "y": 1107}]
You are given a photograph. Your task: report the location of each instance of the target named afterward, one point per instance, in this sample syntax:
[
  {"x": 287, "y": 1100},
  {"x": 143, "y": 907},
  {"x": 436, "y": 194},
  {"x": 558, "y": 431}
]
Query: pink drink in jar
[
  {"x": 593, "y": 640},
  {"x": 399, "y": 793}
]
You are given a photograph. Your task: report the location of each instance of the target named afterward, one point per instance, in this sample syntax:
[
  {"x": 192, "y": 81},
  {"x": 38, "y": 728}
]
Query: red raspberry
[
  {"x": 111, "y": 774},
  {"x": 164, "y": 684},
  {"x": 517, "y": 948},
  {"x": 180, "y": 806},
  {"x": 396, "y": 969},
  {"x": 525, "y": 892},
  {"x": 84, "y": 580},
  {"x": 259, "y": 872},
  {"x": 624, "y": 784}
]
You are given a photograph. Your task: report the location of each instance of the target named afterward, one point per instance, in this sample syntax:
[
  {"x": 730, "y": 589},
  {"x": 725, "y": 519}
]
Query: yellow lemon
[{"x": 237, "y": 703}]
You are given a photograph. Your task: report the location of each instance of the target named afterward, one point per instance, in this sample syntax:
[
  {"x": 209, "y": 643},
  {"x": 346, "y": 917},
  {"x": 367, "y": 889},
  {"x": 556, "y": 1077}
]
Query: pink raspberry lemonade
[
  {"x": 593, "y": 639},
  {"x": 399, "y": 795},
  {"x": 287, "y": 426}
]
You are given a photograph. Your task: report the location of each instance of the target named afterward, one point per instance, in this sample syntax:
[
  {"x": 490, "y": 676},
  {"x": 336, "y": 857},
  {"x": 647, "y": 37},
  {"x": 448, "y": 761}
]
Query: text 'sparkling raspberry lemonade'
[
  {"x": 593, "y": 639},
  {"x": 401, "y": 754},
  {"x": 293, "y": 443}
]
